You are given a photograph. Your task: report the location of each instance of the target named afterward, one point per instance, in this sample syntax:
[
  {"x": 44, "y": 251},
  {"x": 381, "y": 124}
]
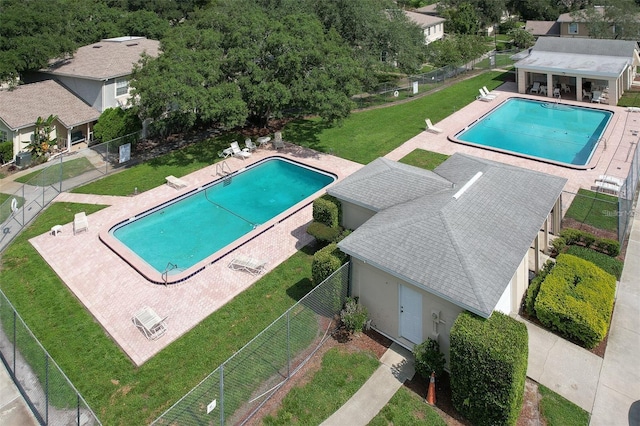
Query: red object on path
[{"x": 431, "y": 393}]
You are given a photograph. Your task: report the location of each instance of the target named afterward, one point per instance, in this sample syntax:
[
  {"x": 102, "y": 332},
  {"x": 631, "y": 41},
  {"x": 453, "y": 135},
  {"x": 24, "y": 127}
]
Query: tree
[
  {"x": 42, "y": 136},
  {"x": 235, "y": 62},
  {"x": 522, "y": 38},
  {"x": 619, "y": 19},
  {"x": 116, "y": 122},
  {"x": 462, "y": 19},
  {"x": 540, "y": 10},
  {"x": 472, "y": 14}
]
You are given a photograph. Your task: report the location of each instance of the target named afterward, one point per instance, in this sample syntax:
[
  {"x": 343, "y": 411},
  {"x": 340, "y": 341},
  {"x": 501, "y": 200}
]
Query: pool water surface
[
  {"x": 548, "y": 131},
  {"x": 179, "y": 234}
]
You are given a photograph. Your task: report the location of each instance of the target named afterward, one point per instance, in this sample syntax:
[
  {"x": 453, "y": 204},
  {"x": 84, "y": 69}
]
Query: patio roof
[
  {"x": 599, "y": 58},
  {"x": 463, "y": 249}
]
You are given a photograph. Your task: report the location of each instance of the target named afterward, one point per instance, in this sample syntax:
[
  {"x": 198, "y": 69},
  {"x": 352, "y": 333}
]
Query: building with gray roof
[
  {"x": 429, "y": 245},
  {"x": 582, "y": 65}
]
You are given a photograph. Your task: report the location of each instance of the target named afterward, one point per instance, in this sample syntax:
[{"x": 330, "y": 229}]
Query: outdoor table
[{"x": 263, "y": 140}]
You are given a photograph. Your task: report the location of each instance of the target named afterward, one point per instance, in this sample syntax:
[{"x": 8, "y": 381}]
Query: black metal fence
[
  {"x": 50, "y": 394},
  {"x": 237, "y": 389}
]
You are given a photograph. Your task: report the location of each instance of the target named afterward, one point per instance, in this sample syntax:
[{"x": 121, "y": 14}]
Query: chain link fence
[
  {"x": 627, "y": 197},
  {"x": 50, "y": 394},
  {"x": 69, "y": 170},
  {"x": 237, "y": 389}
]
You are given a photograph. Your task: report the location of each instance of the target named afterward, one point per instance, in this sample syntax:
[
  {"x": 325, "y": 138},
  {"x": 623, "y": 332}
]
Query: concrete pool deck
[{"x": 112, "y": 291}]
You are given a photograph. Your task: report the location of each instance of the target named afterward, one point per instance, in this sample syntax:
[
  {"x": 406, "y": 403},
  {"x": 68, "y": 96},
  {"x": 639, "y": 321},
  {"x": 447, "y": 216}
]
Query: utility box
[{"x": 23, "y": 159}]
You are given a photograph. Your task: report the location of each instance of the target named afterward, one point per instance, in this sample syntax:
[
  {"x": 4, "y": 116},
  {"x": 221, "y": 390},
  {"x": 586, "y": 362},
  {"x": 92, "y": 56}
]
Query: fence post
[
  {"x": 222, "y": 394},
  {"x": 288, "y": 345},
  {"x": 46, "y": 388},
  {"x": 14, "y": 342},
  {"x": 61, "y": 175}
]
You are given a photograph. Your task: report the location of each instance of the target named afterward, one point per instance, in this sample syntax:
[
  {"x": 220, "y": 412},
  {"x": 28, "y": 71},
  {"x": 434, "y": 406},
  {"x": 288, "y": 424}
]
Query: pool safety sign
[
  {"x": 211, "y": 406},
  {"x": 125, "y": 152}
]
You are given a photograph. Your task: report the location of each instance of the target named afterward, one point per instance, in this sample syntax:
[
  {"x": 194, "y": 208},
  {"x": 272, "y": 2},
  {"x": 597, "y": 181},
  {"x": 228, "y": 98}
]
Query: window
[
  {"x": 122, "y": 86},
  {"x": 3, "y": 136},
  {"x": 428, "y": 30},
  {"x": 573, "y": 28}
]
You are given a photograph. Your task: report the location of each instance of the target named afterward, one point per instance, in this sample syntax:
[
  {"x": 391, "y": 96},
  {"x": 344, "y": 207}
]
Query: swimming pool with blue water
[
  {"x": 553, "y": 132},
  {"x": 183, "y": 232}
]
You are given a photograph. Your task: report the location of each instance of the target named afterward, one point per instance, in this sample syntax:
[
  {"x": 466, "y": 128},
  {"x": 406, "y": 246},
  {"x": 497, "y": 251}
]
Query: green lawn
[
  {"x": 595, "y": 209},
  {"x": 367, "y": 135},
  {"x": 56, "y": 172},
  {"x": 117, "y": 391},
  {"x": 558, "y": 411},
  {"x": 152, "y": 173},
  {"x": 407, "y": 409},
  {"x": 630, "y": 99},
  {"x": 340, "y": 377},
  {"x": 424, "y": 159}
]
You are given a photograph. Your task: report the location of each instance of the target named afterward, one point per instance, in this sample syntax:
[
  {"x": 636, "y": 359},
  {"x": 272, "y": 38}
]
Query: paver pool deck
[{"x": 113, "y": 291}]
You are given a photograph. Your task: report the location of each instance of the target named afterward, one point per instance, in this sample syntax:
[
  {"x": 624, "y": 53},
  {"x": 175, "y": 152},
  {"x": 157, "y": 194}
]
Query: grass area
[
  {"x": 341, "y": 375},
  {"x": 559, "y": 411},
  {"x": 117, "y": 391},
  {"x": 5, "y": 205},
  {"x": 595, "y": 209},
  {"x": 367, "y": 135},
  {"x": 424, "y": 159},
  {"x": 407, "y": 409},
  {"x": 152, "y": 173},
  {"x": 630, "y": 99},
  {"x": 606, "y": 263},
  {"x": 57, "y": 172}
]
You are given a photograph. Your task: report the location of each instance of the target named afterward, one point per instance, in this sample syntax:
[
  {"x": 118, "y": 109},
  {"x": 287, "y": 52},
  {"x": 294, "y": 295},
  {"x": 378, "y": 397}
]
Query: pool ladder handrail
[
  {"x": 165, "y": 274},
  {"x": 220, "y": 168}
]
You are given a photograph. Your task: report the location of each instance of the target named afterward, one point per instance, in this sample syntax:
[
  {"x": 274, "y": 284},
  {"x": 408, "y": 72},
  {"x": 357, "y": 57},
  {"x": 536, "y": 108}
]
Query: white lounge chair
[
  {"x": 556, "y": 92},
  {"x": 565, "y": 88},
  {"x": 175, "y": 182},
  {"x": 248, "y": 264},
  {"x": 277, "y": 140},
  {"x": 586, "y": 94},
  {"x": 488, "y": 92},
  {"x": 535, "y": 88},
  {"x": 150, "y": 323},
  {"x": 606, "y": 187},
  {"x": 248, "y": 143},
  {"x": 610, "y": 179},
  {"x": 80, "y": 223},
  {"x": 237, "y": 152},
  {"x": 596, "y": 96},
  {"x": 431, "y": 128},
  {"x": 485, "y": 97}
]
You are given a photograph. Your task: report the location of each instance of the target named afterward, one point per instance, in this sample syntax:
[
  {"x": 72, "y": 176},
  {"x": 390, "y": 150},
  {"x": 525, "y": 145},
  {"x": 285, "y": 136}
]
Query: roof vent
[{"x": 467, "y": 185}]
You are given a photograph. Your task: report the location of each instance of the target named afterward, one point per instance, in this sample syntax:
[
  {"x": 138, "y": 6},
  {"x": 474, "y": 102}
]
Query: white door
[{"x": 410, "y": 314}]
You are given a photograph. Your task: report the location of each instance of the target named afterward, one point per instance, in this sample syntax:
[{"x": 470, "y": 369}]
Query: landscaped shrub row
[
  {"x": 326, "y": 261},
  {"x": 327, "y": 210},
  {"x": 576, "y": 299},
  {"x": 488, "y": 368},
  {"x": 607, "y": 263},
  {"x": 534, "y": 288},
  {"x": 571, "y": 236}
]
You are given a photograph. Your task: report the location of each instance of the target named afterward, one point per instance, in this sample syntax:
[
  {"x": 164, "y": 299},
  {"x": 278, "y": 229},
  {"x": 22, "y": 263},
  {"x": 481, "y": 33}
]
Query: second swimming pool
[
  {"x": 548, "y": 131},
  {"x": 183, "y": 232}
]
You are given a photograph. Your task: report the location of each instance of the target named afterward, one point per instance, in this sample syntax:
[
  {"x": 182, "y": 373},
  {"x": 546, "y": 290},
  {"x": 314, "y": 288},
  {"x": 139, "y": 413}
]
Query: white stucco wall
[{"x": 353, "y": 215}]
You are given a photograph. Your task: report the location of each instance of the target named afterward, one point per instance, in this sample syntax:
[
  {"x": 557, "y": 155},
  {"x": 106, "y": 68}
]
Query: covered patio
[{"x": 587, "y": 70}]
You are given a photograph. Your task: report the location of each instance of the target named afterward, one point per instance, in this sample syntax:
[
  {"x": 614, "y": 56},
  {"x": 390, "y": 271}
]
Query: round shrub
[
  {"x": 428, "y": 359},
  {"x": 354, "y": 315},
  {"x": 325, "y": 262}
]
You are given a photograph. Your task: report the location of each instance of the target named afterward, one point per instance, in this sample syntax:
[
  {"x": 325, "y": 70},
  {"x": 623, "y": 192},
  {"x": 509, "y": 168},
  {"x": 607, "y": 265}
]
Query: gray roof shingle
[
  {"x": 465, "y": 250},
  {"x": 109, "y": 58},
  {"x": 22, "y": 106}
]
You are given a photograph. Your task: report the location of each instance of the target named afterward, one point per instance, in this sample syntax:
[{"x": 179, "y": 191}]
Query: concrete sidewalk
[
  {"x": 364, "y": 405},
  {"x": 13, "y": 408}
]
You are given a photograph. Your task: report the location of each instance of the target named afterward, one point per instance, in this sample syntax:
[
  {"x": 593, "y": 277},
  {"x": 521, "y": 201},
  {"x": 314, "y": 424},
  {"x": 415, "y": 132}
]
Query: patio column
[
  {"x": 550, "y": 85},
  {"x": 521, "y": 77},
  {"x": 545, "y": 236},
  {"x": 536, "y": 249},
  {"x": 578, "y": 88}
]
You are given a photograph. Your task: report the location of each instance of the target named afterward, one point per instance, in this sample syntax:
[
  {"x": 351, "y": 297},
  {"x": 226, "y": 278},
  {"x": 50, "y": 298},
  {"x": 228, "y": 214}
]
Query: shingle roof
[
  {"x": 22, "y": 106},
  {"x": 596, "y": 57},
  {"x": 465, "y": 250},
  {"x": 543, "y": 28},
  {"x": 109, "y": 58},
  {"x": 385, "y": 183},
  {"x": 423, "y": 20}
]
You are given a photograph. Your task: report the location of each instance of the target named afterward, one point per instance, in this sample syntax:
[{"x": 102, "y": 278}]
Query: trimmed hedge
[
  {"x": 323, "y": 233},
  {"x": 327, "y": 210},
  {"x": 603, "y": 245},
  {"x": 488, "y": 368},
  {"x": 6, "y": 152},
  {"x": 606, "y": 263},
  {"x": 534, "y": 288},
  {"x": 576, "y": 299},
  {"x": 326, "y": 261}
]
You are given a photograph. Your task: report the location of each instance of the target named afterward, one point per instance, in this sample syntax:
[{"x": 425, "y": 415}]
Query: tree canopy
[{"x": 619, "y": 19}]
